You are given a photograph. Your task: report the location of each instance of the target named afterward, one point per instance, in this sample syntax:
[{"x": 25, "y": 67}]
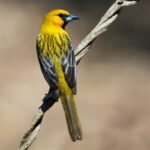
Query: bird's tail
[{"x": 69, "y": 106}]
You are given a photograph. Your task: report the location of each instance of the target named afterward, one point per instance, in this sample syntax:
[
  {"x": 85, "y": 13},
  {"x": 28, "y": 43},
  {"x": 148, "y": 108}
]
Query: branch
[{"x": 109, "y": 17}]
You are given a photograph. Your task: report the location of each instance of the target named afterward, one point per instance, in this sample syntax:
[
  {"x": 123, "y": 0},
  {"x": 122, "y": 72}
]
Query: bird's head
[{"x": 59, "y": 18}]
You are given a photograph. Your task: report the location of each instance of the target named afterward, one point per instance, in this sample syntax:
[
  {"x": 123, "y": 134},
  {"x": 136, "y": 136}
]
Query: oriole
[{"x": 58, "y": 65}]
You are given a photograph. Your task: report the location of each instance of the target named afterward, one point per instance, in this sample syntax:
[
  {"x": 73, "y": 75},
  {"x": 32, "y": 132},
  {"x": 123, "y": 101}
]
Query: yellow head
[{"x": 58, "y": 18}]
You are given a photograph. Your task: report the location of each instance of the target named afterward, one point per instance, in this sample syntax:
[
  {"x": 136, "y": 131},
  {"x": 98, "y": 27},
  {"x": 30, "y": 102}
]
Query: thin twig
[{"x": 109, "y": 17}]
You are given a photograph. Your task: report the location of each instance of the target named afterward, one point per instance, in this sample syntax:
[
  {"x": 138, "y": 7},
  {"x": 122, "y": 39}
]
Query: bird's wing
[
  {"x": 48, "y": 70},
  {"x": 68, "y": 66}
]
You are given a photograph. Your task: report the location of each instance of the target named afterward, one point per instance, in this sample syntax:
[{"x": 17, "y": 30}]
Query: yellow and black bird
[{"x": 58, "y": 65}]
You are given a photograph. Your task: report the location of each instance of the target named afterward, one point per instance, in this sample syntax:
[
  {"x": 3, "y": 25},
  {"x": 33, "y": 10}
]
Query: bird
[{"x": 57, "y": 62}]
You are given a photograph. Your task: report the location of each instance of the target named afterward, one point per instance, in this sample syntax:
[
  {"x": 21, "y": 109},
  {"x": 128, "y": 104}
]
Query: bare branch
[
  {"x": 32, "y": 133},
  {"x": 109, "y": 17}
]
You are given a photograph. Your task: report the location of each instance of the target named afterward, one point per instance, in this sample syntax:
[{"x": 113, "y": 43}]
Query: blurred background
[{"x": 113, "y": 79}]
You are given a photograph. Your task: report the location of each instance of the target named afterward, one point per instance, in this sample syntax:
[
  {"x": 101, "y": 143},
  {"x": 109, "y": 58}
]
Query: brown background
[{"x": 113, "y": 79}]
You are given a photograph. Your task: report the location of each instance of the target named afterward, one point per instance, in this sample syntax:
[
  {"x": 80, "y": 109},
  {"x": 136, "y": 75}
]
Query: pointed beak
[{"x": 71, "y": 17}]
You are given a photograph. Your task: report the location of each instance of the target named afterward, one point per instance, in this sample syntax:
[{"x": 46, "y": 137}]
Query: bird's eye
[{"x": 63, "y": 16}]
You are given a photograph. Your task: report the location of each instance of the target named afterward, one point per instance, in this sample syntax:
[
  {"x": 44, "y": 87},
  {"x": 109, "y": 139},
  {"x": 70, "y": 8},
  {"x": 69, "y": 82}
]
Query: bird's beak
[{"x": 71, "y": 17}]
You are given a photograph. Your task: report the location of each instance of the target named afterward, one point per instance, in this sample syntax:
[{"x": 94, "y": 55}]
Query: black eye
[{"x": 63, "y": 16}]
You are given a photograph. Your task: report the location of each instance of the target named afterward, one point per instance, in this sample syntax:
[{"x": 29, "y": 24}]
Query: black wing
[
  {"x": 68, "y": 65},
  {"x": 48, "y": 70},
  {"x": 70, "y": 69}
]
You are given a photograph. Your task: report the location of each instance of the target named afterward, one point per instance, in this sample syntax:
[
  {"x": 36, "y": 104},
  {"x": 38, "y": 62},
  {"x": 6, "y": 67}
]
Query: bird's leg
[{"x": 50, "y": 98}]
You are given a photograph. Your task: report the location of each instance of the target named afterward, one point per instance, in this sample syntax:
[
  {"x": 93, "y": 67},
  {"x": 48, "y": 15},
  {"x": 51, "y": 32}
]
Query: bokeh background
[{"x": 113, "y": 79}]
